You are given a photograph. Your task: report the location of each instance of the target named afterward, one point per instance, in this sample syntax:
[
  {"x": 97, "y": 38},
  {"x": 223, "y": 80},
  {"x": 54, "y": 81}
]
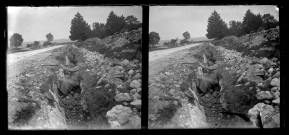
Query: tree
[
  {"x": 114, "y": 24},
  {"x": 268, "y": 21},
  {"x": 49, "y": 37},
  {"x": 98, "y": 30},
  {"x": 16, "y": 40},
  {"x": 154, "y": 38},
  {"x": 235, "y": 28},
  {"x": 216, "y": 28},
  {"x": 131, "y": 23},
  {"x": 251, "y": 22},
  {"x": 186, "y": 35},
  {"x": 79, "y": 30},
  {"x": 36, "y": 43}
]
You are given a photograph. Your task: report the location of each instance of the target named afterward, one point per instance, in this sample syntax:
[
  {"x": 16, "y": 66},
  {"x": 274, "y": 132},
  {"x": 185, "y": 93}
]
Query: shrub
[
  {"x": 184, "y": 41},
  {"x": 46, "y": 43},
  {"x": 16, "y": 40}
]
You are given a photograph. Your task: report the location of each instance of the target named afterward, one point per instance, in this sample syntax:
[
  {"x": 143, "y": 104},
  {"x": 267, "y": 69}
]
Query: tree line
[
  {"x": 80, "y": 30},
  {"x": 251, "y": 23},
  {"x": 16, "y": 40},
  {"x": 154, "y": 39}
]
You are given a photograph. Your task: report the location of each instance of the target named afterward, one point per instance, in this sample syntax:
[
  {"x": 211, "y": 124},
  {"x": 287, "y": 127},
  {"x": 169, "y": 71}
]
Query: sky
[
  {"x": 33, "y": 23},
  {"x": 172, "y": 21}
]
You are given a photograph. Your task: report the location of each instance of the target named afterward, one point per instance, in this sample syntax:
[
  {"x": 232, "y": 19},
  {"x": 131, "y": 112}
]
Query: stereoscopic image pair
[{"x": 80, "y": 67}]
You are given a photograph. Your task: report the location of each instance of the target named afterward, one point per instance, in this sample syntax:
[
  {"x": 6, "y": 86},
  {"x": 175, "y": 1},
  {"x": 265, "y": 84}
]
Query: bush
[
  {"x": 46, "y": 43},
  {"x": 184, "y": 41},
  {"x": 154, "y": 38},
  {"x": 16, "y": 40}
]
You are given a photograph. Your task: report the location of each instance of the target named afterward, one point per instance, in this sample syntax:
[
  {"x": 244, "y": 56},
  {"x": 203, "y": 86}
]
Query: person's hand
[
  {"x": 201, "y": 64},
  {"x": 61, "y": 65}
]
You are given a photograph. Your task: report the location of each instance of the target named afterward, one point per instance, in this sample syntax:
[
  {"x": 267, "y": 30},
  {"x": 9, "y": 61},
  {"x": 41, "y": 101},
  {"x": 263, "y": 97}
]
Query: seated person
[
  {"x": 72, "y": 82},
  {"x": 210, "y": 82}
]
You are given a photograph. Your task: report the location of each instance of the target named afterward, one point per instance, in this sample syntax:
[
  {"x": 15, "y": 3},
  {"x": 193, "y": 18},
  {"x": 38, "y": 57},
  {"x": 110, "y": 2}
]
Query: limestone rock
[
  {"x": 137, "y": 76},
  {"x": 276, "y": 101},
  {"x": 264, "y": 95},
  {"x": 119, "y": 113},
  {"x": 120, "y": 97},
  {"x": 135, "y": 84},
  {"x": 114, "y": 124},
  {"x": 130, "y": 72},
  {"x": 270, "y": 118},
  {"x": 276, "y": 94},
  {"x": 136, "y": 103},
  {"x": 275, "y": 82},
  {"x": 132, "y": 91},
  {"x": 135, "y": 121},
  {"x": 271, "y": 70},
  {"x": 136, "y": 96},
  {"x": 247, "y": 83},
  {"x": 277, "y": 75},
  {"x": 124, "y": 62},
  {"x": 264, "y": 61},
  {"x": 274, "y": 89}
]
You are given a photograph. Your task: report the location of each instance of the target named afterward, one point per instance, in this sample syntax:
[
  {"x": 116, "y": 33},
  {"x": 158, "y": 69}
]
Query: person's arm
[
  {"x": 215, "y": 66},
  {"x": 69, "y": 69}
]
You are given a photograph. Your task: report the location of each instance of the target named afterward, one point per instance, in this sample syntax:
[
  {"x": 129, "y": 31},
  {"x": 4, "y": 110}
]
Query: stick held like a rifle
[
  {"x": 48, "y": 65},
  {"x": 187, "y": 63}
]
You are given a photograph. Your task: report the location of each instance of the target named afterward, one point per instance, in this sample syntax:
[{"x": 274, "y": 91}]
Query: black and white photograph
[
  {"x": 214, "y": 67},
  {"x": 74, "y": 67}
]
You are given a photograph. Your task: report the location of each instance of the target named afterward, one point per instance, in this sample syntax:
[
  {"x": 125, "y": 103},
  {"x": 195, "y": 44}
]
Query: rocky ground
[{"x": 111, "y": 96}]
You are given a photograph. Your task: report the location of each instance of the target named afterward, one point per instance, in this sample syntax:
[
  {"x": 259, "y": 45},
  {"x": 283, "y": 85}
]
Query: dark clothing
[
  {"x": 72, "y": 82},
  {"x": 210, "y": 81}
]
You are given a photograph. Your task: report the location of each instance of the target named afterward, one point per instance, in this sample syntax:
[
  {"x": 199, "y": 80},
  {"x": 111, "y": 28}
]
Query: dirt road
[
  {"x": 17, "y": 62},
  {"x": 163, "y": 53},
  {"x": 162, "y": 58}
]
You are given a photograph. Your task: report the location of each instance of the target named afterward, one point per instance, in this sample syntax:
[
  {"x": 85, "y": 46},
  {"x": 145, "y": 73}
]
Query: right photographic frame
[{"x": 214, "y": 67}]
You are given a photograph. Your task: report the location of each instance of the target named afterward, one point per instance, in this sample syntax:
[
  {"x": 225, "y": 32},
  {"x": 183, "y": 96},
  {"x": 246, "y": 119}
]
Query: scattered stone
[
  {"x": 276, "y": 94},
  {"x": 261, "y": 85},
  {"x": 114, "y": 124},
  {"x": 247, "y": 83},
  {"x": 277, "y": 75},
  {"x": 133, "y": 91},
  {"x": 124, "y": 62},
  {"x": 276, "y": 101},
  {"x": 251, "y": 88},
  {"x": 138, "y": 90},
  {"x": 130, "y": 72},
  {"x": 267, "y": 102},
  {"x": 136, "y": 103},
  {"x": 266, "y": 111},
  {"x": 239, "y": 71},
  {"x": 122, "y": 97},
  {"x": 107, "y": 85},
  {"x": 119, "y": 113},
  {"x": 125, "y": 103},
  {"x": 137, "y": 76},
  {"x": 264, "y": 95},
  {"x": 120, "y": 87},
  {"x": 275, "y": 82},
  {"x": 271, "y": 70},
  {"x": 136, "y": 96},
  {"x": 135, "y": 121},
  {"x": 274, "y": 89},
  {"x": 264, "y": 61},
  {"x": 135, "y": 84}
]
